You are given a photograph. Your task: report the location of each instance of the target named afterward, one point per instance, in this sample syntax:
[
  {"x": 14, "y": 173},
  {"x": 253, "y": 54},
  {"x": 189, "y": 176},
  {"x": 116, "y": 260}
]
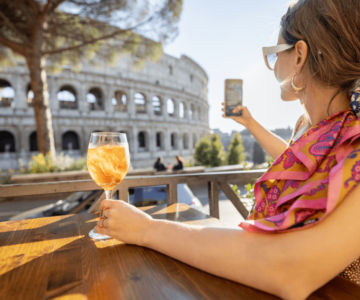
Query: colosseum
[{"x": 162, "y": 108}]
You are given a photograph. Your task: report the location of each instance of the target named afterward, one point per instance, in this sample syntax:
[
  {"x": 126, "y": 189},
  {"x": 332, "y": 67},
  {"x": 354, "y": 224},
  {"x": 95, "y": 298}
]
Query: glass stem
[{"x": 108, "y": 195}]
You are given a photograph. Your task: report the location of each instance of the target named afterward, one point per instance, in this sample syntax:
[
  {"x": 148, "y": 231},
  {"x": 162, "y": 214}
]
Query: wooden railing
[{"x": 215, "y": 181}]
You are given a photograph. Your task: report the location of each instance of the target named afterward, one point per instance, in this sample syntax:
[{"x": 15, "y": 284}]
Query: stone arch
[
  {"x": 181, "y": 110},
  {"x": 142, "y": 141},
  {"x": 95, "y": 99},
  {"x": 157, "y": 105},
  {"x": 140, "y": 103},
  {"x": 159, "y": 141},
  {"x": 7, "y": 142},
  {"x": 67, "y": 97},
  {"x": 7, "y": 93},
  {"x": 119, "y": 101},
  {"x": 70, "y": 141},
  {"x": 173, "y": 141},
  {"x": 186, "y": 141},
  {"x": 191, "y": 111},
  {"x": 170, "y": 104},
  {"x": 33, "y": 146}
]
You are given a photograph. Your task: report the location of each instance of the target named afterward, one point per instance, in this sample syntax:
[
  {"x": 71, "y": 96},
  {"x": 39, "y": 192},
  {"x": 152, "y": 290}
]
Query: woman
[
  {"x": 180, "y": 164},
  {"x": 159, "y": 166},
  {"x": 310, "y": 197}
]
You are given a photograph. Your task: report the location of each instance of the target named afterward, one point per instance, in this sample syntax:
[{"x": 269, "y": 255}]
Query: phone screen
[{"x": 233, "y": 96}]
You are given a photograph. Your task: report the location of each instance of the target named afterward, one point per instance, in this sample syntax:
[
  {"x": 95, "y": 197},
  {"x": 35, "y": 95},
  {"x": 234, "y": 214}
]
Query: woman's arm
[
  {"x": 290, "y": 265},
  {"x": 273, "y": 144}
]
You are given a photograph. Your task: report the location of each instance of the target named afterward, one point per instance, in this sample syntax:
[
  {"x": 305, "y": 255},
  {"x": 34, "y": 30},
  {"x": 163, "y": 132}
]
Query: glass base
[{"x": 98, "y": 236}]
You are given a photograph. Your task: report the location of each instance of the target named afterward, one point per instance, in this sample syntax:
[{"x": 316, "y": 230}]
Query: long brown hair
[{"x": 331, "y": 29}]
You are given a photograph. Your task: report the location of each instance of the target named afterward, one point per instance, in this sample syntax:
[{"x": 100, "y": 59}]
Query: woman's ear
[{"x": 301, "y": 52}]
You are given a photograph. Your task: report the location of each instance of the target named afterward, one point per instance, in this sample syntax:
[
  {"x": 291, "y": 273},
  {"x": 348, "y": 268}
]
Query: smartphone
[{"x": 233, "y": 96}]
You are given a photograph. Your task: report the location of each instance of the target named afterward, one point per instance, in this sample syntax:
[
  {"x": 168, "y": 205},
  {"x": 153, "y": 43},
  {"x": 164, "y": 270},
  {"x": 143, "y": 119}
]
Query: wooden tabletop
[{"x": 53, "y": 257}]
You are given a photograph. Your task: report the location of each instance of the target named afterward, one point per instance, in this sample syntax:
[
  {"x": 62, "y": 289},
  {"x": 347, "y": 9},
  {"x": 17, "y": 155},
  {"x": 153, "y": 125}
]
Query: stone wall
[{"x": 181, "y": 80}]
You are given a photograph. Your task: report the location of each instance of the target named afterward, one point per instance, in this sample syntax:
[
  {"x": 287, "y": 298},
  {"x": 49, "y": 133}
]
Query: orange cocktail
[{"x": 108, "y": 165}]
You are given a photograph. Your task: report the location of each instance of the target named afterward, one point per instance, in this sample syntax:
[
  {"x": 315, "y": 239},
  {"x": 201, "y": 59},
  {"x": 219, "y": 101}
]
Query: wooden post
[
  {"x": 172, "y": 193},
  {"x": 228, "y": 191},
  {"x": 213, "y": 188},
  {"x": 124, "y": 193}
]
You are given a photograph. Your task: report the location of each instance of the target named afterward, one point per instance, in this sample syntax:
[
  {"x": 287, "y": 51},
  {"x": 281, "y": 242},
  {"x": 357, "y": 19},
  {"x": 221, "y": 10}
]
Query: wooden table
[{"x": 54, "y": 258}]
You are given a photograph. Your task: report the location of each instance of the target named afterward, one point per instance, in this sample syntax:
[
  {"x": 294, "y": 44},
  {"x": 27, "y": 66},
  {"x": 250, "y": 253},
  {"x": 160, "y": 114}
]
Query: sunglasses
[{"x": 270, "y": 56}]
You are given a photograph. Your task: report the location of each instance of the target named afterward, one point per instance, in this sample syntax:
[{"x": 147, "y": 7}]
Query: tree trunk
[{"x": 44, "y": 129}]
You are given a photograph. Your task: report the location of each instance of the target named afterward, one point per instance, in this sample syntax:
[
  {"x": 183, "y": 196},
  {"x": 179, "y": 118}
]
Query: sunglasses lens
[{"x": 271, "y": 58}]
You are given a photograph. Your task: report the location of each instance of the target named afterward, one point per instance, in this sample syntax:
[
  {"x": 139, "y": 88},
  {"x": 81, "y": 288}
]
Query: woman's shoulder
[{"x": 300, "y": 124}]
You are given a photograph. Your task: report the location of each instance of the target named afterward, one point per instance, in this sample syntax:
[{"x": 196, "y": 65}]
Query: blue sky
[{"x": 225, "y": 38}]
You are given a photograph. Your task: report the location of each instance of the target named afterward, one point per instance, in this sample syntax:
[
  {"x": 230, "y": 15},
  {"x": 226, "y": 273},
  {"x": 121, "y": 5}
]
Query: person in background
[
  {"x": 180, "y": 164},
  {"x": 159, "y": 166}
]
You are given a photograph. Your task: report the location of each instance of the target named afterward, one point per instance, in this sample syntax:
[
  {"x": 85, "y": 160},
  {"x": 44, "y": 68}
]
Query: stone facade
[{"x": 162, "y": 107}]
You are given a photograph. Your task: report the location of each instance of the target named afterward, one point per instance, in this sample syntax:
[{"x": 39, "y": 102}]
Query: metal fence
[{"x": 215, "y": 181}]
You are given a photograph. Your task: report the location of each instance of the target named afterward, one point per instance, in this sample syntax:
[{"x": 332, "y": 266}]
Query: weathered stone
[{"x": 187, "y": 84}]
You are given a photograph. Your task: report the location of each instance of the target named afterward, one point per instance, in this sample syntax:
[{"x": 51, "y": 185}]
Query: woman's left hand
[{"x": 124, "y": 222}]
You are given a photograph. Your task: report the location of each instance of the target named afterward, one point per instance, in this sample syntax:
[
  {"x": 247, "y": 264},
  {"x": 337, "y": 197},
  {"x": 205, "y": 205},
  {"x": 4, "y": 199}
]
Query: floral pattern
[{"x": 294, "y": 192}]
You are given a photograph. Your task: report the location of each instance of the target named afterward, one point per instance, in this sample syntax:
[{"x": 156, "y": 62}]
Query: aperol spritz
[{"x": 108, "y": 162}]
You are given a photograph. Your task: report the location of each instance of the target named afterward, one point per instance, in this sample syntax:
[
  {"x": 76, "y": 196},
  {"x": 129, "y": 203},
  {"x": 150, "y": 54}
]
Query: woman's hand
[
  {"x": 123, "y": 222},
  {"x": 246, "y": 117}
]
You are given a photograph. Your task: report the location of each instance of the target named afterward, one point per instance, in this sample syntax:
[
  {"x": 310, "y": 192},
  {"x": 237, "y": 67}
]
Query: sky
[{"x": 225, "y": 37}]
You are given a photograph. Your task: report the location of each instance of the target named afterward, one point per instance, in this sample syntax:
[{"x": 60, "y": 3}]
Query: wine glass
[{"x": 108, "y": 162}]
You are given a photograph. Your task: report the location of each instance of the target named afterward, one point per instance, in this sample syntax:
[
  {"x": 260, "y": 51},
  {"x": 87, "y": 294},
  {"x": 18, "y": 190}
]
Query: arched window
[
  {"x": 173, "y": 141},
  {"x": 191, "y": 112},
  {"x": 29, "y": 95},
  {"x": 7, "y": 93},
  {"x": 141, "y": 141},
  {"x": 33, "y": 142},
  {"x": 170, "y": 107},
  {"x": 7, "y": 142},
  {"x": 70, "y": 141},
  {"x": 159, "y": 141},
  {"x": 185, "y": 141},
  {"x": 95, "y": 99},
  {"x": 170, "y": 70},
  {"x": 156, "y": 102},
  {"x": 181, "y": 110},
  {"x": 140, "y": 103},
  {"x": 119, "y": 101},
  {"x": 67, "y": 97},
  {"x": 199, "y": 113},
  {"x": 194, "y": 140}
]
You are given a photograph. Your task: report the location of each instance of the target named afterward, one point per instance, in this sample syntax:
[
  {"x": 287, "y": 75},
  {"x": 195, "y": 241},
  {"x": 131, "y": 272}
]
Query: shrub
[
  {"x": 46, "y": 164},
  {"x": 236, "y": 151},
  {"x": 210, "y": 151}
]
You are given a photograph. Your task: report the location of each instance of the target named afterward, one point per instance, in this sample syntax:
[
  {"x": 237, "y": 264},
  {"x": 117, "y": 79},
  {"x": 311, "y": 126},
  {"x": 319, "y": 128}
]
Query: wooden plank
[
  {"x": 98, "y": 267},
  {"x": 338, "y": 288},
  {"x": 29, "y": 189},
  {"x": 17, "y": 190},
  {"x": 123, "y": 193},
  {"x": 213, "y": 189},
  {"x": 172, "y": 194},
  {"x": 26, "y": 258},
  {"x": 112, "y": 270},
  {"x": 230, "y": 194},
  {"x": 65, "y": 272}
]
